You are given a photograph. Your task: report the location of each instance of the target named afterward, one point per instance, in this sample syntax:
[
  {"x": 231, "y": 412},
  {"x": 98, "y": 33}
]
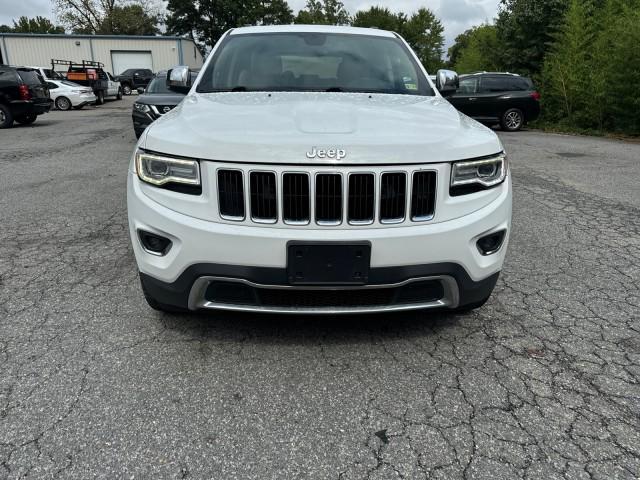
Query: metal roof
[{"x": 110, "y": 37}]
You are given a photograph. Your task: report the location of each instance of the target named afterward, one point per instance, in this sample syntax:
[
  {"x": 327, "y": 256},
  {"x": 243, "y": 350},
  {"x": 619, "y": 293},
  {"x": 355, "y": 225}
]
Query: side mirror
[
  {"x": 447, "y": 82},
  {"x": 140, "y": 90},
  {"x": 179, "y": 79}
]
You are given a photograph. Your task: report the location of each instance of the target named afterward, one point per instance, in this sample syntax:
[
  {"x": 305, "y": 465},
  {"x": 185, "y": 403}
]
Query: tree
[
  {"x": 207, "y": 20},
  {"x": 324, "y": 12},
  {"x": 461, "y": 42},
  {"x": 381, "y": 18},
  {"x": 565, "y": 67},
  {"x": 129, "y": 20},
  {"x": 526, "y": 29},
  {"x": 425, "y": 33},
  {"x": 107, "y": 16},
  {"x": 34, "y": 25},
  {"x": 481, "y": 52}
]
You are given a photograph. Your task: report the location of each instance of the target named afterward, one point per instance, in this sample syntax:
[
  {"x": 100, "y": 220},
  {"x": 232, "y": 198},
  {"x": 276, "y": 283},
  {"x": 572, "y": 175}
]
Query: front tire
[
  {"x": 26, "y": 119},
  {"x": 6, "y": 117},
  {"x": 63, "y": 103},
  {"x": 156, "y": 304},
  {"x": 119, "y": 96},
  {"x": 100, "y": 99},
  {"x": 512, "y": 120},
  {"x": 126, "y": 89}
]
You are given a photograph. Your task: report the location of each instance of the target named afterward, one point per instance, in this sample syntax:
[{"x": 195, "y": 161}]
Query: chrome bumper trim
[{"x": 197, "y": 300}]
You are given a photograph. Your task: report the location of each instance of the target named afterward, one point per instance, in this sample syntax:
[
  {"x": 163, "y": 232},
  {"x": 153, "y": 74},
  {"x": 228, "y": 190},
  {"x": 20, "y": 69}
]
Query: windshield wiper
[{"x": 334, "y": 89}]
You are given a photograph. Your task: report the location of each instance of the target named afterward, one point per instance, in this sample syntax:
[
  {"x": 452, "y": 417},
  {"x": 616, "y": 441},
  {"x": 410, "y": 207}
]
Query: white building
[{"x": 116, "y": 52}]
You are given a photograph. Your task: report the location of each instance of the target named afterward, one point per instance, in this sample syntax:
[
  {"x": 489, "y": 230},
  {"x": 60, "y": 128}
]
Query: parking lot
[{"x": 541, "y": 383}]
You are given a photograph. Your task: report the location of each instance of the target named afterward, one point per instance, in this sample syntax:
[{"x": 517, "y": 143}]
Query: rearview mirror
[
  {"x": 447, "y": 82},
  {"x": 179, "y": 79}
]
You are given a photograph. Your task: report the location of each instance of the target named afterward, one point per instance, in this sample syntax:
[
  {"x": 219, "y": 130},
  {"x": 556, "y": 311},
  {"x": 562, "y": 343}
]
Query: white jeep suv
[{"x": 317, "y": 169}]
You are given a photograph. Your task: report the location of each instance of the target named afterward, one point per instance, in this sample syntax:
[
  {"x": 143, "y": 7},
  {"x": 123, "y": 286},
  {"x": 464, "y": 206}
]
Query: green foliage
[
  {"x": 525, "y": 30},
  {"x": 207, "y": 20},
  {"x": 324, "y": 12},
  {"x": 32, "y": 25},
  {"x": 481, "y": 50},
  {"x": 565, "y": 72},
  {"x": 380, "y": 17},
  {"x": 425, "y": 33},
  {"x": 591, "y": 73},
  {"x": 422, "y": 30},
  {"x": 129, "y": 20},
  {"x": 461, "y": 42},
  {"x": 117, "y": 17}
]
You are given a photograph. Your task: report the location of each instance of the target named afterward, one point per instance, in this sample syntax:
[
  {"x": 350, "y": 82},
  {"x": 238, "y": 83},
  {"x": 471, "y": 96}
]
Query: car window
[
  {"x": 314, "y": 62},
  {"x": 158, "y": 85},
  {"x": 492, "y": 84},
  {"x": 30, "y": 77},
  {"x": 109, "y": 76},
  {"x": 504, "y": 83},
  {"x": 468, "y": 85},
  {"x": 52, "y": 86}
]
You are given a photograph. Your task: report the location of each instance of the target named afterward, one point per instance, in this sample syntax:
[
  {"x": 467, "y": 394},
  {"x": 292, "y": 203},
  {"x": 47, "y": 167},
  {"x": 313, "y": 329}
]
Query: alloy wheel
[
  {"x": 63, "y": 104},
  {"x": 513, "y": 120}
]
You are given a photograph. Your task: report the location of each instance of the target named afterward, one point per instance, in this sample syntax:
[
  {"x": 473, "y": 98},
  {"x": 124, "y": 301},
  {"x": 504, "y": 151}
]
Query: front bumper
[{"x": 445, "y": 252}]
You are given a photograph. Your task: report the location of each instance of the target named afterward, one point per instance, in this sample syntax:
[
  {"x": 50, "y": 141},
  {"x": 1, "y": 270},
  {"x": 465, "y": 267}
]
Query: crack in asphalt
[{"x": 542, "y": 382}]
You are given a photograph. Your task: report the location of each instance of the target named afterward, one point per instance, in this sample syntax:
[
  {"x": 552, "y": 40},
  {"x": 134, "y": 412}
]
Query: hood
[
  {"x": 160, "y": 99},
  {"x": 282, "y": 127}
]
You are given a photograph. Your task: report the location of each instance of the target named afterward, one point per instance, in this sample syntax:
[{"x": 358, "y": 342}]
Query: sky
[{"x": 456, "y": 15}]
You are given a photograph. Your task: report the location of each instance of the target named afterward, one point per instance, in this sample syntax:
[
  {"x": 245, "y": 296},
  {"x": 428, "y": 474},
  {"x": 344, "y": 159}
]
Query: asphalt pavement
[{"x": 541, "y": 383}]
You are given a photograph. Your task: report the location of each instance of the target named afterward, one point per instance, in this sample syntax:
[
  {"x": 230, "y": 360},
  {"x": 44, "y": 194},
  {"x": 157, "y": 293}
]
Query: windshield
[
  {"x": 158, "y": 85},
  {"x": 313, "y": 62}
]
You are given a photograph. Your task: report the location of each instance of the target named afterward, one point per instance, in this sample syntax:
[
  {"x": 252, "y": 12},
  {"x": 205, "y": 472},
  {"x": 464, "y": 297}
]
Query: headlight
[
  {"x": 141, "y": 107},
  {"x": 160, "y": 170},
  {"x": 474, "y": 175}
]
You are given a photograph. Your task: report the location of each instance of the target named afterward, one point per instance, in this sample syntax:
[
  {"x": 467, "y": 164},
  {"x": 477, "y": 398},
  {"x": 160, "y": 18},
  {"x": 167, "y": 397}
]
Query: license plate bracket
[{"x": 328, "y": 263}]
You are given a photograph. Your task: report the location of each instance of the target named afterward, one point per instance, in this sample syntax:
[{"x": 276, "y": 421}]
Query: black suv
[
  {"x": 491, "y": 98},
  {"x": 134, "y": 78},
  {"x": 23, "y": 95}
]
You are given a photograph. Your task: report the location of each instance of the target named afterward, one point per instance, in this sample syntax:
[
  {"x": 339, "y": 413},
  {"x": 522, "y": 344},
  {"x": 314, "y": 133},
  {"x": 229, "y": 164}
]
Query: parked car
[
  {"x": 315, "y": 170},
  {"x": 492, "y": 98},
  {"x": 48, "y": 73},
  {"x": 88, "y": 74},
  {"x": 23, "y": 95},
  {"x": 134, "y": 78},
  {"x": 157, "y": 100},
  {"x": 66, "y": 94}
]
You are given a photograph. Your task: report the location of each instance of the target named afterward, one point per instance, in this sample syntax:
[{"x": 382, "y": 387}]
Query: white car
[
  {"x": 317, "y": 169},
  {"x": 66, "y": 94}
]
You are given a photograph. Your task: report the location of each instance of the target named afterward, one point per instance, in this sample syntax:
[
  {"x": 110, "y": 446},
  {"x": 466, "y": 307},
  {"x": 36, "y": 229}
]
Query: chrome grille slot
[
  {"x": 423, "y": 196},
  {"x": 231, "y": 194},
  {"x": 264, "y": 204},
  {"x": 295, "y": 198},
  {"x": 319, "y": 196},
  {"x": 393, "y": 194},
  {"x": 329, "y": 199},
  {"x": 361, "y": 198}
]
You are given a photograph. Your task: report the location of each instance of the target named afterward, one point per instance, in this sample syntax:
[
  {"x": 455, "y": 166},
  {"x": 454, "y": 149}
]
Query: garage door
[{"x": 124, "y": 60}]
